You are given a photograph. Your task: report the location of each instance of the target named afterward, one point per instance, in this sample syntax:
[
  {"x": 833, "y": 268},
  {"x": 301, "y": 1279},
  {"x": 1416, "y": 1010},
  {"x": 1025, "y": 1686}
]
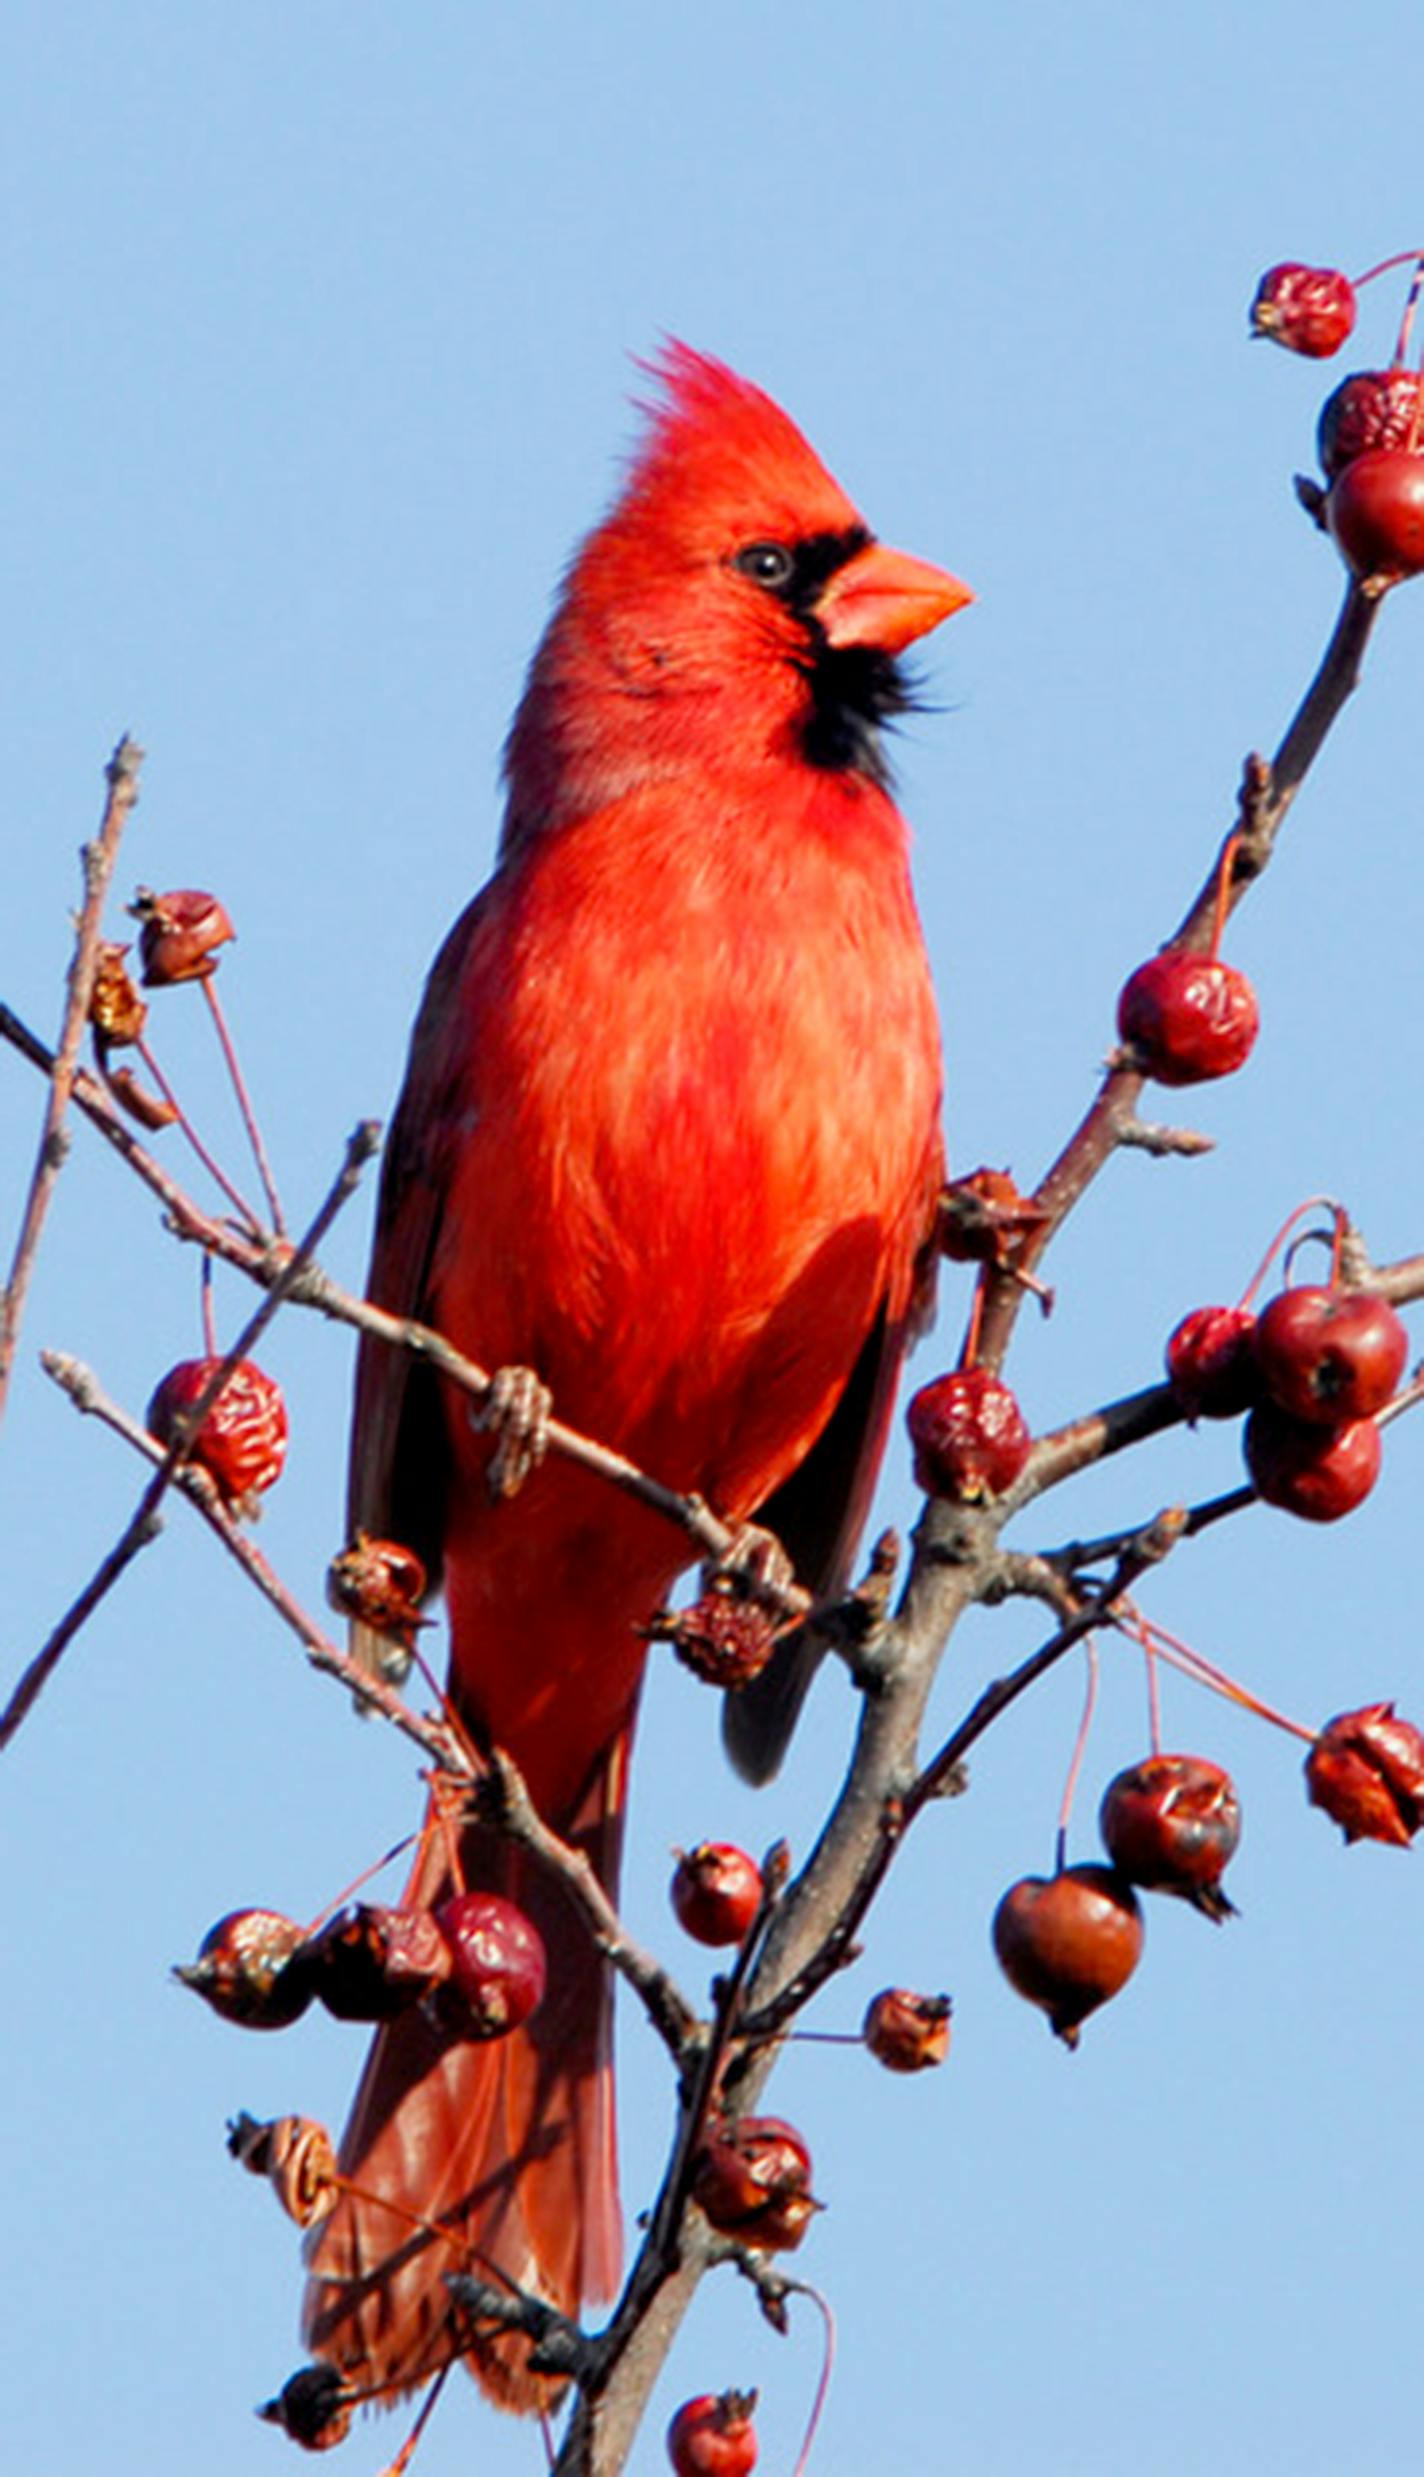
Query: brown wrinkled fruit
[
  {"x": 369, "y": 1963},
  {"x": 752, "y": 2180},
  {"x": 179, "y": 934},
  {"x": 725, "y": 1638},
  {"x": 116, "y": 1011},
  {"x": 905, "y": 2032},
  {"x": 1366, "y": 1769}
]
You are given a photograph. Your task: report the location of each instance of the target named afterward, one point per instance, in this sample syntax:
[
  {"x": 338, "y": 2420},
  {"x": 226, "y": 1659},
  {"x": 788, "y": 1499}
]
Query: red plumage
[{"x": 669, "y": 1136}]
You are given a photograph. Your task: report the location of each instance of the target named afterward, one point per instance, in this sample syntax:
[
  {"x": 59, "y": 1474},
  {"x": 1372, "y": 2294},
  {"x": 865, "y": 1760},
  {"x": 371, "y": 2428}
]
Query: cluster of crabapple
[
  {"x": 1369, "y": 436},
  {"x": 475, "y": 1957}
]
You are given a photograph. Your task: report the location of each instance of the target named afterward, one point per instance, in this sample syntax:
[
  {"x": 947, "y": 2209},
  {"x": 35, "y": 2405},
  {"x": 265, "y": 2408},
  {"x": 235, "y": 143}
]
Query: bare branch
[{"x": 121, "y": 774}]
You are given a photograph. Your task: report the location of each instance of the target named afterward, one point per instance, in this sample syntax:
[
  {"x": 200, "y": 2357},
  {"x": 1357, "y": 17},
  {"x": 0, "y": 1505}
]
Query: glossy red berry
[
  {"x": 1329, "y": 1354},
  {"x": 251, "y": 1968},
  {"x": 1069, "y": 1942},
  {"x": 752, "y": 2180},
  {"x": 905, "y": 2032},
  {"x": 714, "y": 2436},
  {"x": 1211, "y": 1366},
  {"x": 1309, "y": 310},
  {"x": 497, "y": 1963},
  {"x": 1366, "y": 1769},
  {"x": 179, "y": 935},
  {"x": 1375, "y": 513},
  {"x": 1318, "y": 1473},
  {"x": 716, "y": 1892},
  {"x": 1371, "y": 408},
  {"x": 1190, "y": 1018},
  {"x": 242, "y": 1443},
  {"x": 969, "y": 1435},
  {"x": 1171, "y": 1824},
  {"x": 368, "y": 1963}
]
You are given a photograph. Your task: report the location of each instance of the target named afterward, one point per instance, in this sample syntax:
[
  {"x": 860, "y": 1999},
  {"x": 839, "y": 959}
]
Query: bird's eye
[{"x": 766, "y": 563}]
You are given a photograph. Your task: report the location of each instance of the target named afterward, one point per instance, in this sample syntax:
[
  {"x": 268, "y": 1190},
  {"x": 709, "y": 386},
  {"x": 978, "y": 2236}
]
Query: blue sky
[{"x": 319, "y": 322}]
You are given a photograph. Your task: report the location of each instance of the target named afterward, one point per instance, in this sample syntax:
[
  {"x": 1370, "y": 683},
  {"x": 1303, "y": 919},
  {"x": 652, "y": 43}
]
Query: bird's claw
[
  {"x": 755, "y": 1563},
  {"x": 516, "y": 1412}
]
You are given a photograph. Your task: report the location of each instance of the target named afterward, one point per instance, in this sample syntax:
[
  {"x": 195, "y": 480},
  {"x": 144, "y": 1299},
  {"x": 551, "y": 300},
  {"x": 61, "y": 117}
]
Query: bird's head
[{"x": 732, "y": 608}]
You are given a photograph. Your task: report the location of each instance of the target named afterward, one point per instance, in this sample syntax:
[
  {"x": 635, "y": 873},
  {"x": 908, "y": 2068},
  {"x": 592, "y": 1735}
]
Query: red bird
[{"x": 670, "y": 1137}]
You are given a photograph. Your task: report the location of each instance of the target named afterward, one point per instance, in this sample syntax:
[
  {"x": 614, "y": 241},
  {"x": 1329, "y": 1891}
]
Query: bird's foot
[
  {"x": 755, "y": 1565},
  {"x": 516, "y": 1412}
]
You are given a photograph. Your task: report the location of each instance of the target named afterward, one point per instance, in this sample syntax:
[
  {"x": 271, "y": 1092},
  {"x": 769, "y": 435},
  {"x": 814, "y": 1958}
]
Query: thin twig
[
  {"x": 1267, "y": 794},
  {"x": 505, "y": 1803},
  {"x": 140, "y": 1528},
  {"x": 121, "y": 775}
]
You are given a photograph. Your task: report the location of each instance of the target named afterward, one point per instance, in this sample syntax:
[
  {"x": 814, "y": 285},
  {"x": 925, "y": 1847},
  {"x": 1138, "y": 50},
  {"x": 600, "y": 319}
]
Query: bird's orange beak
[{"x": 886, "y": 599}]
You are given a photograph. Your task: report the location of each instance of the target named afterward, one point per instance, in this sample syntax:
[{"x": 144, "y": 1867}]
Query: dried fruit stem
[
  {"x": 191, "y": 1136},
  {"x": 244, "y": 1103}
]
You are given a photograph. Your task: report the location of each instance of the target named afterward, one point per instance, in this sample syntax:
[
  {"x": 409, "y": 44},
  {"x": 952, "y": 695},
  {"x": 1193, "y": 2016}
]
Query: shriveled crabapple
[
  {"x": 369, "y": 1963},
  {"x": 179, "y": 934},
  {"x": 726, "y": 1638},
  {"x": 380, "y": 1583},
  {"x": 1211, "y": 1366},
  {"x": 1308, "y": 310},
  {"x": 1318, "y": 1473},
  {"x": 752, "y": 2180},
  {"x": 1366, "y": 1770},
  {"x": 1171, "y": 1824},
  {"x": 969, "y": 1436},
  {"x": 905, "y": 2032},
  {"x": 1370, "y": 409},
  {"x": 116, "y": 1011},
  {"x": 1188, "y": 1018},
  {"x": 498, "y": 1967},
  {"x": 242, "y": 1443}
]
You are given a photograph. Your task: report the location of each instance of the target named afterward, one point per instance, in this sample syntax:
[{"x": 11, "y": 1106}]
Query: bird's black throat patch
[{"x": 855, "y": 691}]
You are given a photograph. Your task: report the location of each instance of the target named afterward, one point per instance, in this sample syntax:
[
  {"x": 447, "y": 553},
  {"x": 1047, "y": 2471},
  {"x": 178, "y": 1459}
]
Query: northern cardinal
[{"x": 670, "y": 1137}]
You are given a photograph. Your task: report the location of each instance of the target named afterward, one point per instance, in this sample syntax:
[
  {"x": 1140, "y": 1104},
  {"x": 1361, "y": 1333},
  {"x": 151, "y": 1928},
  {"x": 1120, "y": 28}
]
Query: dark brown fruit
[
  {"x": 752, "y": 2180},
  {"x": 251, "y": 1969},
  {"x": 1069, "y": 1942}
]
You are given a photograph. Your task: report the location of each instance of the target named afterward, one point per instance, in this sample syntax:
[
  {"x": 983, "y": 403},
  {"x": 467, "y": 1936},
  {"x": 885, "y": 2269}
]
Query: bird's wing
[
  {"x": 818, "y": 1515},
  {"x": 399, "y": 1456}
]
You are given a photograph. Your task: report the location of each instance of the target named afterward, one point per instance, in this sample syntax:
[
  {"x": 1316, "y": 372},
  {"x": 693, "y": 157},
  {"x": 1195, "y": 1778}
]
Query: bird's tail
[{"x": 495, "y": 2157}]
